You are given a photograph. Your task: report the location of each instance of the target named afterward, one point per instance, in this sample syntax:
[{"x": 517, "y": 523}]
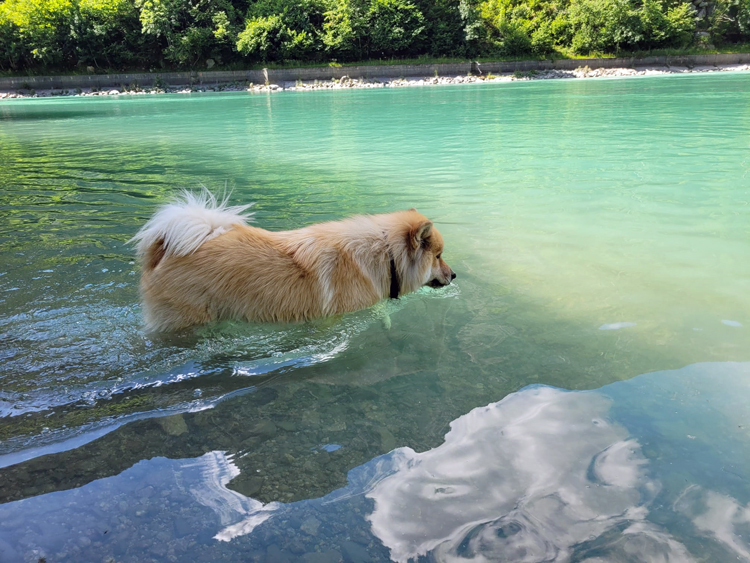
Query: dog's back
[
  {"x": 182, "y": 226},
  {"x": 201, "y": 262}
]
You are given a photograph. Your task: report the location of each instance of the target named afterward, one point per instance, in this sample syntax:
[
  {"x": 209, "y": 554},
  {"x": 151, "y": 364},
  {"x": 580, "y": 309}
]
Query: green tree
[
  {"x": 729, "y": 21},
  {"x": 396, "y": 27},
  {"x": 40, "y": 29},
  {"x": 191, "y": 31},
  {"x": 604, "y": 26},
  {"x": 667, "y": 26},
  {"x": 283, "y": 30},
  {"x": 344, "y": 30},
  {"x": 516, "y": 27},
  {"x": 108, "y": 33}
]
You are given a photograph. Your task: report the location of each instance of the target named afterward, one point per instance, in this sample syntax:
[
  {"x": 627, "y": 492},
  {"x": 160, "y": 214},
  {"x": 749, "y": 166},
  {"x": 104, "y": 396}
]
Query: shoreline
[{"x": 346, "y": 82}]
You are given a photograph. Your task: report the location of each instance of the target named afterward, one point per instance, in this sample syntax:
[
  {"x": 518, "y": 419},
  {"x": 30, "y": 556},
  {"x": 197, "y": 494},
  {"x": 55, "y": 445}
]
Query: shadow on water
[{"x": 33, "y": 114}]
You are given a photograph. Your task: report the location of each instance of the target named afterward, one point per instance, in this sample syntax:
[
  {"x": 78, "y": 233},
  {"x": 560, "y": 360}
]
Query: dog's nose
[{"x": 453, "y": 275}]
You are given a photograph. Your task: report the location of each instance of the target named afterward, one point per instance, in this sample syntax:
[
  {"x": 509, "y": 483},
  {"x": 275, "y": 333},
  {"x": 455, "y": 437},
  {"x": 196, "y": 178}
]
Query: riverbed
[{"x": 579, "y": 392}]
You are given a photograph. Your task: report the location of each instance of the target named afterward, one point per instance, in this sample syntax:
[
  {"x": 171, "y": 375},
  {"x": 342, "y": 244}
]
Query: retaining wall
[
  {"x": 272, "y": 76},
  {"x": 621, "y": 62},
  {"x": 275, "y": 76}
]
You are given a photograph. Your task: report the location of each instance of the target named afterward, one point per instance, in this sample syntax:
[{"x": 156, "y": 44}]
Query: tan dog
[{"x": 202, "y": 263}]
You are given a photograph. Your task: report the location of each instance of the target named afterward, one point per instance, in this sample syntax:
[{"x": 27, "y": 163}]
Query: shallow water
[{"x": 599, "y": 230}]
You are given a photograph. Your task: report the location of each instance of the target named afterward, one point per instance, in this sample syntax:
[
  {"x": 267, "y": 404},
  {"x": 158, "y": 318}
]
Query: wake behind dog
[{"x": 202, "y": 262}]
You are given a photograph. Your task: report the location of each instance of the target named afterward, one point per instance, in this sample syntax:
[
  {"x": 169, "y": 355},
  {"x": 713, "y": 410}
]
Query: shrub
[
  {"x": 108, "y": 33},
  {"x": 543, "y": 39},
  {"x": 395, "y": 28},
  {"x": 344, "y": 29},
  {"x": 518, "y": 27},
  {"x": 14, "y": 51},
  {"x": 513, "y": 39},
  {"x": 729, "y": 21},
  {"x": 262, "y": 36},
  {"x": 269, "y": 39},
  {"x": 41, "y": 28},
  {"x": 670, "y": 27},
  {"x": 601, "y": 26},
  {"x": 444, "y": 27},
  {"x": 282, "y": 30},
  {"x": 187, "y": 29}
]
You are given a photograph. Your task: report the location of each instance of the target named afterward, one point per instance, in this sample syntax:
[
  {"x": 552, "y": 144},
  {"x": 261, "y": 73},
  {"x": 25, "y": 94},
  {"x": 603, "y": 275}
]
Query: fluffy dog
[{"x": 201, "y": 262}]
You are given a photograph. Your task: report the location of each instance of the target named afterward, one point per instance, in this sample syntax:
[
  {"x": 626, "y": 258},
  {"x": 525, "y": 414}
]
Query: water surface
[{"x": 599, "y": 230}]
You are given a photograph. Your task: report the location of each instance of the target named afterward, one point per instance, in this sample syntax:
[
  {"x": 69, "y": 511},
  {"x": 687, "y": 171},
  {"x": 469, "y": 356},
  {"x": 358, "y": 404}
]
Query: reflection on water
[
  {"x": 525, "y": 479},
  {"x": 542, "y": 475}
]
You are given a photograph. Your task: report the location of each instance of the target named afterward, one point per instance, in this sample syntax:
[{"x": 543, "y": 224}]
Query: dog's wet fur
[{"x": 201, "y": 262}]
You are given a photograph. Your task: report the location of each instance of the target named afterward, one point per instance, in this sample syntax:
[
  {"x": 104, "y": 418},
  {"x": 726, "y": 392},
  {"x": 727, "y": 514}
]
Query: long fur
[
  {"x": 188, "y": 221},
  {"x": 201, "y": 262}
]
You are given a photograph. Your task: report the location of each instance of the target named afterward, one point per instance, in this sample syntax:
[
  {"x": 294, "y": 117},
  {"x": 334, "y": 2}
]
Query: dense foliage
[{"x": 155, "y": 34}]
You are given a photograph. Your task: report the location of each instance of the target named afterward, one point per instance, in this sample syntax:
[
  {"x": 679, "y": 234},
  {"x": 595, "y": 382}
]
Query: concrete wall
[
  {"x": 625, "y": 62},
  {"x": 275, "y": 76}
]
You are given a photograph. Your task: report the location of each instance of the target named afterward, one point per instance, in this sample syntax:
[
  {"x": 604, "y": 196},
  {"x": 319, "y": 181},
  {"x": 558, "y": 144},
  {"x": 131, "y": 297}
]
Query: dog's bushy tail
[{"x": 180, "y": 227}]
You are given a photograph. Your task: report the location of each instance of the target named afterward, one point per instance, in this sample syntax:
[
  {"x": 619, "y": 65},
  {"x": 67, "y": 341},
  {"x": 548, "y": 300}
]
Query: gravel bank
[{"x": 347, "y": 82}]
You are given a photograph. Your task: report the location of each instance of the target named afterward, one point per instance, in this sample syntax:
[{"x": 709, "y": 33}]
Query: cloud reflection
[
  {"x": 217, "y": 470},
  {"x": 719, "y": 516},
  {"x": 533, "y": 477}
]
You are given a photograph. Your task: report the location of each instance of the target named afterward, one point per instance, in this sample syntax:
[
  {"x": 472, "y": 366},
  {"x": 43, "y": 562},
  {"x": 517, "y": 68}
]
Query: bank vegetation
[{"x": 115, "y": 35}]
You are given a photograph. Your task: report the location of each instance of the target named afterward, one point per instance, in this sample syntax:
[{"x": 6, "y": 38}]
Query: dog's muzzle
[{"x": 437, "y": 283}]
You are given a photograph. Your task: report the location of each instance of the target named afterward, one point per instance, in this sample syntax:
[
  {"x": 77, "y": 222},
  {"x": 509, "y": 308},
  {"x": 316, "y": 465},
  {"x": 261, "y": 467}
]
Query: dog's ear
[
  {"x": 419, "y": 234},
  {"x": 413, "y": 209}
]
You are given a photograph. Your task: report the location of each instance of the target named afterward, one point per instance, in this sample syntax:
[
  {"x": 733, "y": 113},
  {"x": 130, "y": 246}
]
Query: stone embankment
[{"x": 278, "y": 80}]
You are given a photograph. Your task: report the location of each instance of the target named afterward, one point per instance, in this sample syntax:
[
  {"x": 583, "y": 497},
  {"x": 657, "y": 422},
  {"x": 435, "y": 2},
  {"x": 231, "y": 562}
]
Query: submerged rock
[
  {"x": 310, "y": 526},
  {"x": 173, "y": 425}
]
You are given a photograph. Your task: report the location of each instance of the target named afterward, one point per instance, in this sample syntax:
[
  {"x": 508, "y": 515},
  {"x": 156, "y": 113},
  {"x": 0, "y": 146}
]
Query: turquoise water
[{"x": 579, "y": 392}]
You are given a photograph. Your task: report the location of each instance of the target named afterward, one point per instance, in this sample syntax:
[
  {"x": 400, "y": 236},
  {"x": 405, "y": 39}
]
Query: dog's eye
[{"x": 439, "y": 255}]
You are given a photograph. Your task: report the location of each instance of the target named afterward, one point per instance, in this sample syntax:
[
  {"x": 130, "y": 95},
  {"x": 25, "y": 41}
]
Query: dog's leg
[
  {"x": 386, "y": 319},
  {"x": 381, "y": 311}
]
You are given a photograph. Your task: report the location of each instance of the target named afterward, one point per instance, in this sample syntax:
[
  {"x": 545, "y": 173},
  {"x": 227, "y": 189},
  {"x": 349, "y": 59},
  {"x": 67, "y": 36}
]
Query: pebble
[
  {"x": 329, "y": 556},
  {"x": 347, "y": 82},
  {"x": 173, "y": 425},
  {"x": 354, "y": 553},
  {"x": 310, "y": 526}
]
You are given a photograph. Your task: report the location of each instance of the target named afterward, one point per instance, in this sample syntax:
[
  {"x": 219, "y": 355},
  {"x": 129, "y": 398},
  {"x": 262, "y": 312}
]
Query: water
[{"x": 580, "y": 392}]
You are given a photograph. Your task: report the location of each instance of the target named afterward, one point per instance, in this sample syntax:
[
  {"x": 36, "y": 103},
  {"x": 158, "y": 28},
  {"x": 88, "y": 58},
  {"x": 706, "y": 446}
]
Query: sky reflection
[
  {"x": 525, "y": 479},
  {"x": 649, "y": 469}
]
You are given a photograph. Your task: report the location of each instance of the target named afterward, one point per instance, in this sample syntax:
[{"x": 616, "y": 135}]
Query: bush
[
  {"x": 513, "y": 39},
  {"x": 670, "y": 27},
  {"x": 119, "y": 34},
  {"x": 395, "y": 28},
  {"x": 444, "y": 27},
  {"x": 602, "y": 26},
  {"x": 517, "y": 27},
  {"x": 730, "y": 21},
  {"x": 263, "y": 37},
  {"x": 41, "y": 29},
  {"x": 344, "y": 29},
  {"x": 108, "y": 33},
  {"x": 189, "y": 31},
  {"x": 14, "y": 52},
  {"x": 283, "y": 30},
  {"x": 543, "y": 39}
]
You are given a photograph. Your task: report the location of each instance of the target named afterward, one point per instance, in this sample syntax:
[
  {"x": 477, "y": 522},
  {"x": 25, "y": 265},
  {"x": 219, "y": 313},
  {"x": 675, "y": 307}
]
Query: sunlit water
[{"x": 580, "y": 393}]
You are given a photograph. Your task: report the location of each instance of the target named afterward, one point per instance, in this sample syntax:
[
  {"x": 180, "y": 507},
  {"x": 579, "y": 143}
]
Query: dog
[{"x": 202, "y": 262}]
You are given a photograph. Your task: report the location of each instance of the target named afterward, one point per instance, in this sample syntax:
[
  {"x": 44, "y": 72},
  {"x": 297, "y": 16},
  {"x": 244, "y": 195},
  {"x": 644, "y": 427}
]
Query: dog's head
[{"x": 424, "y": 246}]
